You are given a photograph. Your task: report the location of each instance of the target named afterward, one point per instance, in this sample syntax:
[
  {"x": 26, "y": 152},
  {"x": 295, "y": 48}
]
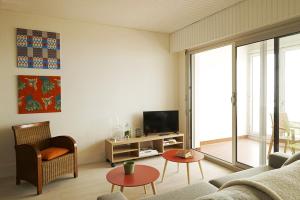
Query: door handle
[{"x": 233, "y": 99}]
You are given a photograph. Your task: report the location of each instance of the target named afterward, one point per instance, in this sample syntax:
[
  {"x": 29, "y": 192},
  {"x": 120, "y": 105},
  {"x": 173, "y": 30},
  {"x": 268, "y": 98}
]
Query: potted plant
[{"x": 128, "y": 167}]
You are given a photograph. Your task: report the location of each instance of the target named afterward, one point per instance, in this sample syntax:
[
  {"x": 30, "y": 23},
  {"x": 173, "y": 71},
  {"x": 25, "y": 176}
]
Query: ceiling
[{"x": 152, "y": 15}]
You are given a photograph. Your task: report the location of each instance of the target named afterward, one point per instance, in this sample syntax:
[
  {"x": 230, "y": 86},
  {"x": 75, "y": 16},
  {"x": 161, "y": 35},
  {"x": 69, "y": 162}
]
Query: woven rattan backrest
[{"x": 36, "y": 134}]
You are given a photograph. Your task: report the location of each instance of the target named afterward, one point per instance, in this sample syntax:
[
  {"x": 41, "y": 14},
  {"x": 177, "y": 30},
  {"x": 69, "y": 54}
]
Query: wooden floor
[
  {"x": 248, "y": 151},
  {"x": 92, "y": 182}
]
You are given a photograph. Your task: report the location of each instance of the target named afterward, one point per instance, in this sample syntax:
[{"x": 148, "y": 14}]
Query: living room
[{"x": 219, "y": 72}]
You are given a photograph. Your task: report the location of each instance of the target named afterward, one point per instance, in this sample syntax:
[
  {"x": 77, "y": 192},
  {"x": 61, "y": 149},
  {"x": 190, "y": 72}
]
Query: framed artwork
[
  {"x": 39, "y": 94},
  {"x": 38, "y": 49}
]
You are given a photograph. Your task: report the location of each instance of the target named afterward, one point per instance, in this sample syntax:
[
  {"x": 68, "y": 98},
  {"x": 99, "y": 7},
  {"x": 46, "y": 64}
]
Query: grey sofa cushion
[
  {"x": 237, "y": 192},
  {"x": 189, "y": 192},
  {"x": 113, "y": 196},
  {"x": 292, "y": 159},
  {"x": 218, "y": 182},
  {"x": 276, "y": 160}
]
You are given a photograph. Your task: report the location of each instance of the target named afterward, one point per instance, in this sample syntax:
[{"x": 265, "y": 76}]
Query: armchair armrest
[
  {"x": 277, "y": 159},
  {"x": 29, "y": 163},
  {"x": 65, "y": 142},
  {"x": 27, "y": 152}
]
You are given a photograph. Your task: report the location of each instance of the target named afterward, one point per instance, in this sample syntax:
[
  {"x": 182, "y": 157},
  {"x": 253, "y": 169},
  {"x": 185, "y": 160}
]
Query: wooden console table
[{"x": 129, "y": 149}]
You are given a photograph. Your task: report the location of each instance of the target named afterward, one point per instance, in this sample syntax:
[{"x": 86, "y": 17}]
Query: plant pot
[{"x": 128, "y": 167}]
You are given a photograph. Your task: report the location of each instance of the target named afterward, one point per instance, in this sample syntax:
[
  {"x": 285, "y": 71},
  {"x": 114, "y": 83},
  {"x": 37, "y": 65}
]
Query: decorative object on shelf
[
  {"x": 39, "y": 94},
  {"x": 148, "y": 152},
  {"x": 170, "y": 141},
  {"x": 138, "y": 132},
  {"x": 128, "y": 167},
  {"x": 117, "y": 129},
  {"x": 184, "y": 154},
  {"x": 117, "y": 134},
  {"x": 38, "y": 49},
  {"x": 127, "y": 131}
]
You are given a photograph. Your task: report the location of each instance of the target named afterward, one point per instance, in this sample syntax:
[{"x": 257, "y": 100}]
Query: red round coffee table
[
  {"x": 142, "y": 176},
  {"x": 170, "y": 155}
]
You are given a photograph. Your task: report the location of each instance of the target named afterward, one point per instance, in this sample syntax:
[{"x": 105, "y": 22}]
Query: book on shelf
[
  {"x": 170, "y": 141},
  {"x": 148, "y": 152},
  {"x": 184, "y": 154}
]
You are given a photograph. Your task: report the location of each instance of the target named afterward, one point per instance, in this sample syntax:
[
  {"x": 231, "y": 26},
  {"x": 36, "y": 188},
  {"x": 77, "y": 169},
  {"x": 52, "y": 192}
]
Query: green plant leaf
[{"x": 47, "y": 85}]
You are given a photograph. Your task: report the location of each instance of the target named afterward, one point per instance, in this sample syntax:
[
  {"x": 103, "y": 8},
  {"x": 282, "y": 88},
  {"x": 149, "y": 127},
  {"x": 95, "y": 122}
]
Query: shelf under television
[
  {"x": 122, "y": 157},
  {"x": 172, "y": 147},
  {"x": 124, "y": 150}
]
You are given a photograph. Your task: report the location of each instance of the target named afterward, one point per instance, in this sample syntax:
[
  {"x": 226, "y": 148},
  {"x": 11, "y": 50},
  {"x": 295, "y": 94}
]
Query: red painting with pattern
[{"x": 39, "y": 94}]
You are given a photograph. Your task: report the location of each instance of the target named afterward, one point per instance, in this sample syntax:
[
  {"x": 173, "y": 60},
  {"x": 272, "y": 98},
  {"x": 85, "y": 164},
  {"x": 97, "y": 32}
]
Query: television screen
[{"x": 160, "y": 121}]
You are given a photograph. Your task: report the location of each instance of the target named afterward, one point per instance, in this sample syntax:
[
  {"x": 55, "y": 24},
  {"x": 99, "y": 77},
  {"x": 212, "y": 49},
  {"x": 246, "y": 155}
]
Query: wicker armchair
[{"x": 29, "y": 140}]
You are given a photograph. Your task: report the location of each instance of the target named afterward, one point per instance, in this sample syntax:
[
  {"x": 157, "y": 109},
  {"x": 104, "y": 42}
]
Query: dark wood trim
[
  {"x": 64, "y": 142},
  {"x": 276, "y": 94},
  {"x": 75, "y": 161},
  {"x": 37, "y": 124},
  {"x": 39, "y": 174}
]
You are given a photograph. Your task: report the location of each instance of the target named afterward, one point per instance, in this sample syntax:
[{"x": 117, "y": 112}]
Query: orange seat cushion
[{"x": 53, "y": 152}]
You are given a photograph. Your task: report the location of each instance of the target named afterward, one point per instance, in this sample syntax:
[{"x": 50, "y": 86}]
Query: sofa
[{"x": 260, "y": 183}]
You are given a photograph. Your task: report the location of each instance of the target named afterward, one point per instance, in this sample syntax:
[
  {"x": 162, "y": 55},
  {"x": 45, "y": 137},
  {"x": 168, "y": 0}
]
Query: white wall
[
  {"x": 239, "y": 18},
  {"x": 106, "y": 71}
]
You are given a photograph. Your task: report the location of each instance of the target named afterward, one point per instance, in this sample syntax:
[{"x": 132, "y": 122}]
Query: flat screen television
[{"x": 160, "y": 121}]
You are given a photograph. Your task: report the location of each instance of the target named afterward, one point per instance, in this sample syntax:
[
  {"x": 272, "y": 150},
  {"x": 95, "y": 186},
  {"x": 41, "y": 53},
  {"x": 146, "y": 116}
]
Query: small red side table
[
  {"x": 170, "y": 155},
  {"x": 142, "y": 176}
]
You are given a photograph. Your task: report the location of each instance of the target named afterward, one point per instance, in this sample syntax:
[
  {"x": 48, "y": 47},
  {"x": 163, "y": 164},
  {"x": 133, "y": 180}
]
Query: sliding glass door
[
  {"x": 255, "y": 101},
  {"x": 289, "y": 97},
  {"x": 266, "y": 89},
  {"x": 212, "y": 113},
  {"x": 243, "y": 118}
]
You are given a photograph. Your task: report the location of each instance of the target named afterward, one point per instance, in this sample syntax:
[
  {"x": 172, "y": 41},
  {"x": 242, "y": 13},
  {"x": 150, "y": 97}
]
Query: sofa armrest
[
  {"x": 277, "y": 159},
  {"x": 65, "y": 142},
  {"x": 113, "y": 196}
]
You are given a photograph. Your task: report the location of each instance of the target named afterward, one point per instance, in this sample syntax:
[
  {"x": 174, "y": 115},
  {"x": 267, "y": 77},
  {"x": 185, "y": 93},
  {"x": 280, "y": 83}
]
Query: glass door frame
[
  {"x": 190, "y": 88},
  {"x": 278, "y": 59},
  {"x": 262, "y": 52}
]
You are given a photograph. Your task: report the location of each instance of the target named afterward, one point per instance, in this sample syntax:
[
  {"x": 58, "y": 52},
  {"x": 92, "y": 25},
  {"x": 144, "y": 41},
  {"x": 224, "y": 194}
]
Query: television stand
[
  {"x": 129, "y": 149},
  {"x": 163, "y": 134}
]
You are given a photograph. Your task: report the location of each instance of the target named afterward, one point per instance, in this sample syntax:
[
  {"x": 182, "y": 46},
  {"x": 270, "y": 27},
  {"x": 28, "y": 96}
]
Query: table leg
[
  {"x": 122, "y": 188},
  {"x": 112, "y": 187},
  {"x": 162, "y": 179},
  {"x": 200, "y": 166},
  {"x": 145, "y": 189},
  {"x": 177, "y": 167},
  {"x": 153, "y": 188},
  {"x": 188, "y": 172}
]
